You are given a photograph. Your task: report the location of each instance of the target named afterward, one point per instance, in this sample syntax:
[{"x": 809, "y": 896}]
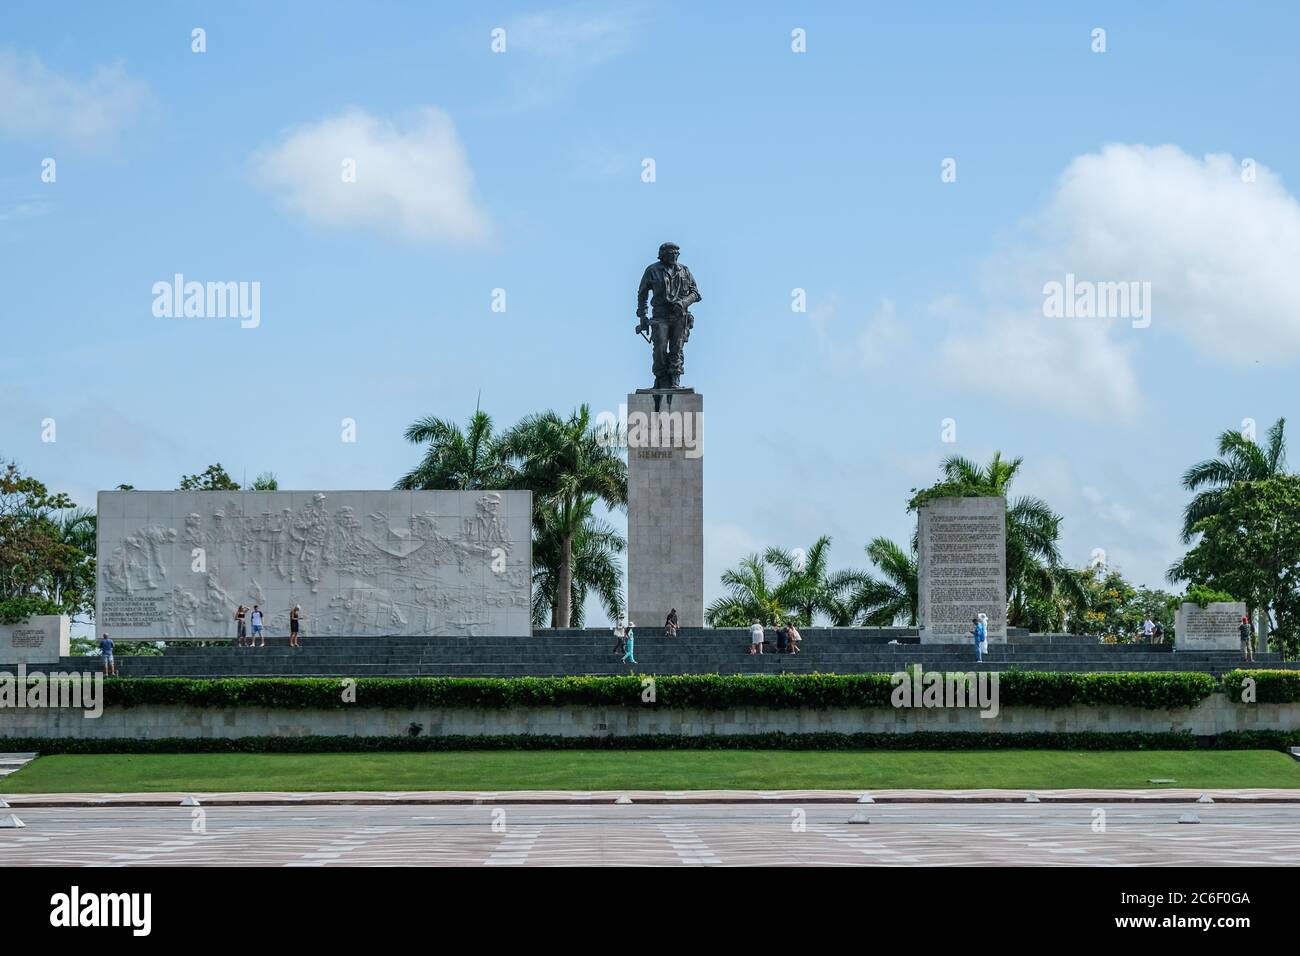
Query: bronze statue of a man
[{"x": 674, "y": 294}]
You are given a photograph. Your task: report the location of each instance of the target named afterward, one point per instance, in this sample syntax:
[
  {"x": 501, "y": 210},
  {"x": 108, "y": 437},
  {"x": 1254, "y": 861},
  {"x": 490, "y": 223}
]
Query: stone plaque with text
[
  {"x": 1209, "y": 628},
  {"x": 962, "y": 568}
]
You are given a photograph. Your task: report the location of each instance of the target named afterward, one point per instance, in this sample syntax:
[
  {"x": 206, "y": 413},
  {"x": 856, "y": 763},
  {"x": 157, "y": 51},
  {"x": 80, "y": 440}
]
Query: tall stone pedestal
[{"x": 665, "y": 506}]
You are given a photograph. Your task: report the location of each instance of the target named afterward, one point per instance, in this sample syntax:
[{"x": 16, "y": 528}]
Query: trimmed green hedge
[
  {"x": 1271, "y": 687},
  {"x": 1153, "y": 691},
  {"x": 924, "y": 740},
  {"x": 771, "y": 741}
]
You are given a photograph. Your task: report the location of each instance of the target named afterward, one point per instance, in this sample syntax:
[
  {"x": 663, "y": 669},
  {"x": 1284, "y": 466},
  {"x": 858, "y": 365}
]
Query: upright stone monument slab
[
  {"x": 176, "y": 564},
  {"x": 1209, "y": 628},
  {"x": 37, "y": 640},
  {"x": 665, "y": 506},
  {"x": 962, "y": 568}
]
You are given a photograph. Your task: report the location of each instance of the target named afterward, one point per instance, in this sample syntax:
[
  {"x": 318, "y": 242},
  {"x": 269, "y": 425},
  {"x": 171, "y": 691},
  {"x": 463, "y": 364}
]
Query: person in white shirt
[
  {"x": 257, "y": 627},
  {"x": 1148, "y": 630},
  {"x": 756, "y": 638}
]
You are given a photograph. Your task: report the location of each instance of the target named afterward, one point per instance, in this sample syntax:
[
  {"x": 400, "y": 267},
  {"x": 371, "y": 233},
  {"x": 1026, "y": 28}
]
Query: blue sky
[{"x": 774, "y": 171}]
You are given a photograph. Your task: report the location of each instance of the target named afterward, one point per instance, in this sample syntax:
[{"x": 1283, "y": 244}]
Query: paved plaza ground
[{"x": 783, "y": 829}]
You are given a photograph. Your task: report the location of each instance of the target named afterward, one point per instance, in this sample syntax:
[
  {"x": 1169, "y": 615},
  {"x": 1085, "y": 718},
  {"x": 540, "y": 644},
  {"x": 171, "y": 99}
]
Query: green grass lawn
[{"x": 654, "y": 770}]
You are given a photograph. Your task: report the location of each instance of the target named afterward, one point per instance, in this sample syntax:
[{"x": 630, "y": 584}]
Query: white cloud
[
  {"x": 412, "y": 180},
  {"x": 551, "y": 50},
  {"x": 24, "y": 209},
  {"x": 37, "y": 103},
  {"x": 580, "y": 35},
  {"x": 883, "y": 337},
  {"x": 1219, "y": 254},
  {"x": 1077, "y": 367}
]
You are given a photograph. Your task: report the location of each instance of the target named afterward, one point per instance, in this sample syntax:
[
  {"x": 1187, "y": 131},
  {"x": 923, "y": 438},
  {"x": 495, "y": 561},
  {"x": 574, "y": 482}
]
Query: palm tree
[
  {"x": 751, "y": 596},
  {"x": 72, "y": 579},
  {"x": 1241, "y": 459},
  {"x": 808, "y": 587},
  {"x": 564, "y": 462},
  {"x": 596, "y": 547},
  {"x": 455, "y": 460},
  {"x": 894, "y": 596}
]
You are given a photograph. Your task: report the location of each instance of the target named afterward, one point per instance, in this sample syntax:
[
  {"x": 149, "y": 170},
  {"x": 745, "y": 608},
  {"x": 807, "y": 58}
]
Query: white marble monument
[
  {"x": 1209, "y": 628},
  {"x": 37, "y": 640},
  {"x": 176, "y": 564},
  {"x": 962, "y": 568},
  {"x": 665, "y": 507}
]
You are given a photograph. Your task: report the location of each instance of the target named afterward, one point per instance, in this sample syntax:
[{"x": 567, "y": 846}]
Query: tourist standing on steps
[
  {"x": 294, "y": 616},
  {"x": 670, "y": 625},
  {"x": 106, "y": 652},
  {"x": 1246, "y": 633},
  {"x": 629, "y": 657},
  {"x": 756, "y": 638},
  {"x": 241, "y": 630},
  {"x": 1158, "y": 635},
  {"x": 984, "y": 633},
  {"x": 257, "y": 627},
  {"x": 620, "y": 637},
  {"x": 978, "y": 631},
  {"x": 795, "y": 638},
  {"x": 1148, "y": 630}
]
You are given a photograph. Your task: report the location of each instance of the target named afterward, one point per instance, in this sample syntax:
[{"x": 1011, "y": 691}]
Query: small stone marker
[
  {"x": 3, "y": 805},
  {"x": 865, "y": 798},
  {"x": 859, "y": 817},
  {"x": 190, "y": 802},
  {"x": 1205, "y": 798},
  {"x": 1032, "y": 798},
  {"x": 624, "y": 800},
  {"x": 1209, "y": 628},
  {"x": 11, "y": 822},
  {"x": 1189, "y": 818}
]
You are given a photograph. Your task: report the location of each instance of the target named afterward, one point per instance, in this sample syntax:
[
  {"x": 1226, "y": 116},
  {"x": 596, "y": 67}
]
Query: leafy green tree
[
  {"x": 1200, "y": 595},
  {"x": 1114, "y": 610},
  {"x": 567, "y": 464},
  {"x": 596, "y": 549},
  {"x": 456, "y": 460},
  {"x": 266, "y": 481},
  {"x": 212, "y": 478},
  {"x": 1240, "y": 459},
  {"x": 47, "y": 553},
  {"x": 1033, "y": 529},
  {"x": 1249, "y": 545}
]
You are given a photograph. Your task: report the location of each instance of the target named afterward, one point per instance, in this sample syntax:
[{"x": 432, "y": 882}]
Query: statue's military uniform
[{"x": 674, "y": 292}]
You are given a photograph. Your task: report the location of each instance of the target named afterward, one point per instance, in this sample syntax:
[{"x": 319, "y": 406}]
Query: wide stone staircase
[{"x": 693, "y": 651}]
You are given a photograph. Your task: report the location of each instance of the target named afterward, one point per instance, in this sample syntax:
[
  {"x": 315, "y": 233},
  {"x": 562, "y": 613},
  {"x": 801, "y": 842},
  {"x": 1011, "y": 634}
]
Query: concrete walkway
[{"x": 683, "y": 797}]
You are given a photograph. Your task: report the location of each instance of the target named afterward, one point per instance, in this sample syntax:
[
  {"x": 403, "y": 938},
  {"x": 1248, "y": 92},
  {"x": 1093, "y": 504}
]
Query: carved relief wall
[{"x": 176, "y": 564}]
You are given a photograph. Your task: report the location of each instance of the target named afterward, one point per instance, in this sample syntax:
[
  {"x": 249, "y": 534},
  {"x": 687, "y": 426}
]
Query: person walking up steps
[{"x": 629, "y": 657}]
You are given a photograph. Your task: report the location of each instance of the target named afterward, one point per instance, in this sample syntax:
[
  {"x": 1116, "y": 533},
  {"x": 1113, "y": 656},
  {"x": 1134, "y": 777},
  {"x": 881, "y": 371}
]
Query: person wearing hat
[
  {"x": 630, "y": 657},
  {"x": 674, "y": 292}
]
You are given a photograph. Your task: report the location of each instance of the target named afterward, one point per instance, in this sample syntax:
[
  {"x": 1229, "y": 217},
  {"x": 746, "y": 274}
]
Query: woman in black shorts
[{"x": 293, "y": 625}]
